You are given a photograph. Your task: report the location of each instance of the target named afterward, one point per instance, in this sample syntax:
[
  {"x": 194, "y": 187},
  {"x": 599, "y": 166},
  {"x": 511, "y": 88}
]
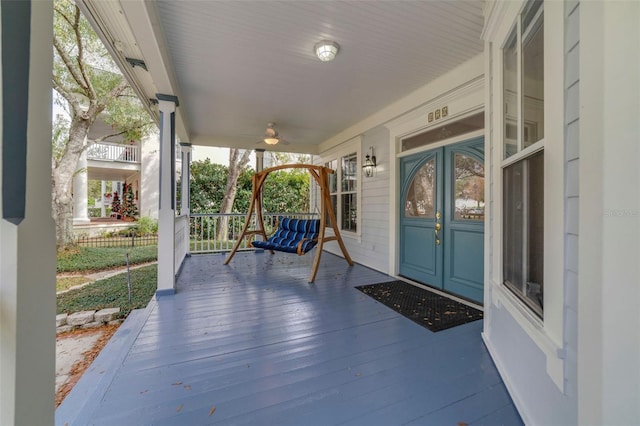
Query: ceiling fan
[{"x": 271, "y": 136}]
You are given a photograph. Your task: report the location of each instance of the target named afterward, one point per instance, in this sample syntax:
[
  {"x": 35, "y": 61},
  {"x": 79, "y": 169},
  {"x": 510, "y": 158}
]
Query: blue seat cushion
[{"x": 290, "y": 233}]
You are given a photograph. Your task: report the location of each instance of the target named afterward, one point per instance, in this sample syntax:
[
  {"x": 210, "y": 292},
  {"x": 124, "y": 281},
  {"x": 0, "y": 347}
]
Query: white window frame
[
  {"x": 521, "y": 153},
  {"x": 547, "y": 334},
  {"x": 350, "y": 147}
]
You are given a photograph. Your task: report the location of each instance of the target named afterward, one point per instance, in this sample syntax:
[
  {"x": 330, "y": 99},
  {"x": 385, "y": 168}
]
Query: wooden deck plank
[{"x": 263, "y": 346}]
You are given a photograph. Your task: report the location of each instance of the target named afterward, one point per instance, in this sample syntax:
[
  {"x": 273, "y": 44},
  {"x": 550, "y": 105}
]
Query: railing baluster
[{"x": 206, "y": 240}]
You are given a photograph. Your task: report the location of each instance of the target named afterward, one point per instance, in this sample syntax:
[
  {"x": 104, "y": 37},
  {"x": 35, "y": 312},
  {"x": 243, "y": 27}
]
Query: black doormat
[{"x": 422, "y": 306}]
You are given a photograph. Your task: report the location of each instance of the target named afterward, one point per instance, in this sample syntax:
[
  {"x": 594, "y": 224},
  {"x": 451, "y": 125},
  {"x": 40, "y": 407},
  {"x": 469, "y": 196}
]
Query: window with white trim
[
  {"x": 343, "y": 187},
  {"x": 523, "y": 158}
]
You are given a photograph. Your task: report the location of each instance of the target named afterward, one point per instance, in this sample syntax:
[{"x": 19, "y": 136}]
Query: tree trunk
[
  {"x": 237, "y": 163},
  {"x": 63, "y": 171}
]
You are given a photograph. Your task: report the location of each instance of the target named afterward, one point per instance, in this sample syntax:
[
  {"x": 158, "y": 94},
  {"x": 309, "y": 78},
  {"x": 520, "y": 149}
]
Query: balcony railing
[
  {"x": 206, "y": 235},
  {"x": 107, "y": 151}
]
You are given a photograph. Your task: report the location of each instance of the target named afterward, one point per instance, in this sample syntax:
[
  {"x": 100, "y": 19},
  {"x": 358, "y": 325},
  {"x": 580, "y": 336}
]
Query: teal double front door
[{"x": 442, "y": 218}]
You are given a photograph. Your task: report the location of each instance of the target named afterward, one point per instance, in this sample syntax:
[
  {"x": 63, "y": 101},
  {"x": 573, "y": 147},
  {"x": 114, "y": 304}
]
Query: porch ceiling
[{"x": 237, "y": 65}]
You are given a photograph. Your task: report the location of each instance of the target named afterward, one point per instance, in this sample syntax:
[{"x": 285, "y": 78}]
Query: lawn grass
[
  {"x": 92, "y": 259},
  {"x": 64, "y": 283},
  {"x": 112, "y": 293}
]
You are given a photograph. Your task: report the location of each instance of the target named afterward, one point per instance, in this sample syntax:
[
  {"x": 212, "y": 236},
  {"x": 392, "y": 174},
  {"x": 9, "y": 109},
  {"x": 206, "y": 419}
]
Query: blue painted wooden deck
[{"x": 257, "y": 342}]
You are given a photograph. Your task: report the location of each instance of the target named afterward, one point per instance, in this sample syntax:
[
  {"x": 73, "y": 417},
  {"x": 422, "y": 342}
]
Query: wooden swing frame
[{"x": 321, "y": 176}]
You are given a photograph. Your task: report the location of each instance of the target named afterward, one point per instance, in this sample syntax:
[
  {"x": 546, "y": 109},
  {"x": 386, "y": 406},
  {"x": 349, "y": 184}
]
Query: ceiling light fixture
[
  {"x": 271, "y": 135},
  {"x": 326, "y": 50}
]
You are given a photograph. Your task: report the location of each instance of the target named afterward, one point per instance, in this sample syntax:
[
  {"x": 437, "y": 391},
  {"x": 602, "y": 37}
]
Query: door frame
[
  {"x": 438, "y": 271},
  {"x": 394, "y": 194}
]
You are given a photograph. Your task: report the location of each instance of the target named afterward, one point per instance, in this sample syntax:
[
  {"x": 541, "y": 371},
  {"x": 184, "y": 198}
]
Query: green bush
[
  {"x": 112, "y": 293},
  {"x": 88, "y": 259},
  {"x": 97, "y": 211},
  {"x": 146, "y": 226}
]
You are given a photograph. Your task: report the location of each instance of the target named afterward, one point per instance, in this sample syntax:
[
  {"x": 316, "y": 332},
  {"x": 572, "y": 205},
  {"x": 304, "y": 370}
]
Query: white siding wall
[{"x": 371, "y": 249}]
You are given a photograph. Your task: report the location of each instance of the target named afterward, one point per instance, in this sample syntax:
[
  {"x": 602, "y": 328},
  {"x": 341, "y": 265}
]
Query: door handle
[{"x": 437, "y": 228}]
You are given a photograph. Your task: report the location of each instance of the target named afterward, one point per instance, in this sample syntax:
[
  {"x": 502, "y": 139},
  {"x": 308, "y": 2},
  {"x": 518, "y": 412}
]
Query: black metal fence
[{"x": 131, "y": 240}]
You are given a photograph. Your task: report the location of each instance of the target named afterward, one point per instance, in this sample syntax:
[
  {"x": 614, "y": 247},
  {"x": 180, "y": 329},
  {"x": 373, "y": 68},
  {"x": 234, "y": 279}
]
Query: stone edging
[{"x": 86, "y": 319}]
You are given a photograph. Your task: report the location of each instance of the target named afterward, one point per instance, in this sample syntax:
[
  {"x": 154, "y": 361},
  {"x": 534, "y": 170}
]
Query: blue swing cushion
[{"x": 292, "y": 236}]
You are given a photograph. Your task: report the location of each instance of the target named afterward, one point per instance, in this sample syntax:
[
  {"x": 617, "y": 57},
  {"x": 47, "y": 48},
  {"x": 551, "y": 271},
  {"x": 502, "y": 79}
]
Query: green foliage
[
  {"x": 112, "y": 293},
  {"x": 89, "y": 259},
  {"x": 84, "y": 72},
  {"x": 146, "y": 226},
  {"x": 286, "y": 191},
  {"x": 97, "y": 211},
  {"x": 208, "y": 184},
  {"x": 283, "y": 191}
]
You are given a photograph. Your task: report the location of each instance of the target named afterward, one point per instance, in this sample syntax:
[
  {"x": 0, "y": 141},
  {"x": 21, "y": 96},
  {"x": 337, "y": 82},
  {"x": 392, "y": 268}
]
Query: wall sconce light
[{"x": 369, "y": 164}]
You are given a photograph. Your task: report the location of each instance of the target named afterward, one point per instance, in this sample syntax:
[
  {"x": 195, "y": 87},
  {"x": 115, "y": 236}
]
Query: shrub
[{"x": 146, "y": 226}]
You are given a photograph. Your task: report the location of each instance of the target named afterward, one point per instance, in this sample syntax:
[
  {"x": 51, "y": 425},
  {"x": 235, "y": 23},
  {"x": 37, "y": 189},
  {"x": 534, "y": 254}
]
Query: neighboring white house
[{"x": 546, "y": 112}]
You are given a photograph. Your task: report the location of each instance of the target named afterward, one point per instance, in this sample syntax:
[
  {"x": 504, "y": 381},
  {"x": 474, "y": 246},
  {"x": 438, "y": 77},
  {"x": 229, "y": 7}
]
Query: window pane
[
  {"x": 533, "y": 85},
  {"x": 466, "y": 125},
  {"x": 523, "y": 232},
  {"x": 349, "y": 164},
  {"x": 349, "y": 212},
  {"x": 334, "y": 201},
  {"x": 421, "y": 194},
  {"x": 469, "y": 188},
  {"x": 333, "y": 186},
  {"x": 510, "y": 82}
]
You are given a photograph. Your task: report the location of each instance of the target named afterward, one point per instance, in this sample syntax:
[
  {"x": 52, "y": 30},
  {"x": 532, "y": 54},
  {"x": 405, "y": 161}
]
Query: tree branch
[
  {"x": 66, "y": 93},
  {"x": 68, "y": 63},
  {"x": 103, "y": 138},
  {"x": 80, "y": 56}
]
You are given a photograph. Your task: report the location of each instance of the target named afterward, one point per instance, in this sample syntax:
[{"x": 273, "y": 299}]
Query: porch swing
[{"x": 293, "y": 235}]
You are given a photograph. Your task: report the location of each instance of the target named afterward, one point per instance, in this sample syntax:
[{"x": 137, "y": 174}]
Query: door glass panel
[
  {"x": 469, "y": 188},
  {"x": 420, "y": 201}
]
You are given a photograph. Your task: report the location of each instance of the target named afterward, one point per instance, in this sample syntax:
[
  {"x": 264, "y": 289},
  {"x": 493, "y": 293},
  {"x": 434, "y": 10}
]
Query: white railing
[
  {"x": 181, "y": 241},
  {"x": 107, "y": 151},
  {"x": 206, "y": 235}
]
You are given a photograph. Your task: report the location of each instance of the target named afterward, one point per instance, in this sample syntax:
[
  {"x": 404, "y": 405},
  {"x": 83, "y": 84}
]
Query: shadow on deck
[{"x": 254, "y": 343}]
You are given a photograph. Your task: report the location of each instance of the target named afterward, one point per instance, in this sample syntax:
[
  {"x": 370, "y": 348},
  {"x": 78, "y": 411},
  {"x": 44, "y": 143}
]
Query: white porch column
[
  {"x": 185, "y": 202},
  {"x": 80, "y": 192},
  {"x": 149, "y": 176},
  {"x": 27, "y": 231},
  {"x": 167, "y": 203},
  {"x": 259, "y": 159},
  {"x": 103, "y": 190}
]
